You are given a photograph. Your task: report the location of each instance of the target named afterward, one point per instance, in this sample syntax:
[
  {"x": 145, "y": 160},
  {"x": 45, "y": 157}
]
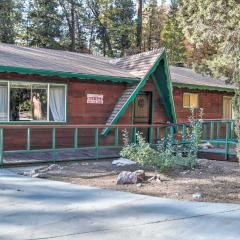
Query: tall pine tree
[
  {"x": 10, "y": 20},
  {"x": 173, "y": 37},
  {"x": 45, "y": 23},
  {"x": 153, "y": 21}
]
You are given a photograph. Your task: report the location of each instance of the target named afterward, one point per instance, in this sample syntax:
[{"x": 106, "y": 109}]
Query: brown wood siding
[
  {"x": 210, "y": 101},
  {"x": 79, "y": 112}
]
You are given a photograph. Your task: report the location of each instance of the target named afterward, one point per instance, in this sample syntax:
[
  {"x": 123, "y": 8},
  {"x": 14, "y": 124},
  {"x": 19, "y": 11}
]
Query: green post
[
  {"x": 134, "y": 131},
  {"x": 150, "y": 135},
  {"x": 28, "y": 139},
  {"x": 211, "y": 130},
  {"x": 1, "y": 146},
  {"x": 232, "y": 130},
  {"x": 76, "y": 138},
  {"x": 204, "y": 131},
  {"x": 157, "y": 135},
  {"x": 97, "y": 142},
  {"x": 165, "y": 135},
  {"x": 218, "y": 130},
  {"x": 218, "y": 133},
  {"x": 116, "y": 136},
  {"x": 172, "y": 135},
  {"x": 183, "y": 132},
  {"x": 226, "y": 140},
  {"x": 54, "y": 144}
]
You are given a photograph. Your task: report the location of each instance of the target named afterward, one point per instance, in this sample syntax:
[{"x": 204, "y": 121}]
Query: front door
[{"x": 143, "y": 111}]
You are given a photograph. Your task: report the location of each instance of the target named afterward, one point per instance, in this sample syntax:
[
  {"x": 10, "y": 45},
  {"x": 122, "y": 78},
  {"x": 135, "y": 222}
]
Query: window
[
  {"x": 21, "y": 101},
  {"x": 227, "y": 107},
  {"x": 190, "y": 100}
]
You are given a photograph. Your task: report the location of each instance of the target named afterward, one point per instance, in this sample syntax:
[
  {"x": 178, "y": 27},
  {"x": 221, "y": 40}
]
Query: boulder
[{"x": 126, "y": 177}]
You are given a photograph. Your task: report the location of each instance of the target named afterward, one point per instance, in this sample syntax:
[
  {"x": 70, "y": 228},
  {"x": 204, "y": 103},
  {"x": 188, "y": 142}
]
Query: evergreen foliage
[
  {"x": 215, "y": 25},
  {"x": 45, "y": 21},
  {"x": 173, "y": 37},
  {"x": 10, "y": 20}
]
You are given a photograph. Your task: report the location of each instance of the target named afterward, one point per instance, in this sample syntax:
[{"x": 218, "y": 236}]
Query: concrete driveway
[{"x": 33, "y": 208}]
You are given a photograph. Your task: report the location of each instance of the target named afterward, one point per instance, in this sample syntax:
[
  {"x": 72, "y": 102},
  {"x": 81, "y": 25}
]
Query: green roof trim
[
  {"x": 47, "y": 73},
  {"x": 202, "y": 87},
  {"x": 170, "y": 111}
]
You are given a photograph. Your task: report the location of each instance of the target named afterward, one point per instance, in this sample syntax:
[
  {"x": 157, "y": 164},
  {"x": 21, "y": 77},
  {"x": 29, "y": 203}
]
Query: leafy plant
[{"x": 165, "y": 155}]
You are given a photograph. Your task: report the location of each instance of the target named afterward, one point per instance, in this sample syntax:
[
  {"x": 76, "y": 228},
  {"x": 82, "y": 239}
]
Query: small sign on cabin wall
[{"x": 95, "y": 98}]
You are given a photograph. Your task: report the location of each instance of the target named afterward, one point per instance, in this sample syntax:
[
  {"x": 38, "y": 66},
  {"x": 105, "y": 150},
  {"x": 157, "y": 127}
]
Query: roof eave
[
  {"x": 202, "y": 87},
  {"x": 47, "y": 73}
]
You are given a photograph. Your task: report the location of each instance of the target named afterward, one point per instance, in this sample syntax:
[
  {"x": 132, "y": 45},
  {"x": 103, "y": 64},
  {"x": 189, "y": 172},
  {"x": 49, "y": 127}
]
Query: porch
[{"x": 24, "y": 143}]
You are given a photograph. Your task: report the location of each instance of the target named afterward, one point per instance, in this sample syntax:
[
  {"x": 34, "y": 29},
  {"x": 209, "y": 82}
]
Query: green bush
[
  {"x": 165, "y": 155},
  {"x": 144, "y": 154}
]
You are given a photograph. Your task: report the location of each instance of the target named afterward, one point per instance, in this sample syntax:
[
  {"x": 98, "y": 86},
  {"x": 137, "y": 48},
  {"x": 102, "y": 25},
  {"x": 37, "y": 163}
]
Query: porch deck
[
  {"x": 218, "y": 132},
  {"x": 61, "y": 155}
]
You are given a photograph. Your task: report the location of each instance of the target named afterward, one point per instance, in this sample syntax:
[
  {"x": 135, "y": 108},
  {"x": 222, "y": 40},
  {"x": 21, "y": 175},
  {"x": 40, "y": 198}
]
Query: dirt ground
[{"x": 216, "y": 181}]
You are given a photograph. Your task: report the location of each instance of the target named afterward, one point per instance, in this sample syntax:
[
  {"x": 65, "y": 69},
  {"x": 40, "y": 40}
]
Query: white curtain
[
  {"x": 57, "y": 103},
  {"x": 3, "y": 103}
]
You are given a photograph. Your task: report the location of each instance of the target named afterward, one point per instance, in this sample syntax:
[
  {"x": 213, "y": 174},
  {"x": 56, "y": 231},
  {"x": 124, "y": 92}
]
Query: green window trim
[{"x": 36, "y": 122}]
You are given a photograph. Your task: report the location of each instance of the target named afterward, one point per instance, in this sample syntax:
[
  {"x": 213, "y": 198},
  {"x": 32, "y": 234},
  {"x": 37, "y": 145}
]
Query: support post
[
  {"x": 116, "y": 136},
  {"x": 211, "y": 130},
  {"x": 54, "y": 145},
  {"x": 172, "y": 135},
  {"x": 226, "y": 140},
  {"x": 29, "y": 139},
  {"x": 134, "y": 131},
  {"x": 157, "y": 135},
  {"x": 150, "y": 135},
  {"x": 205, "y": 131},
  {"x": 76, "y": 138},
  {"x": 1, "y": 147},
  {"x": 184, "y": 133},
  {"x": 97, "y": 142}
]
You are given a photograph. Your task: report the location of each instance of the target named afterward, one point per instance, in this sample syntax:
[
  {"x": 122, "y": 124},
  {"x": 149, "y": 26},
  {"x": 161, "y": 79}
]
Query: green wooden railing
[{"x": 219, "y": 132}]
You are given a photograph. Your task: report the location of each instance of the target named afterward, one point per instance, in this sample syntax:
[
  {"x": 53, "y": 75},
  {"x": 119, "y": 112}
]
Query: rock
[
  {"x": 155, "y": 178},
  {"x": 123, "y": 162},
  {"x": 126, "y": 177},
  {"x": 38, "y": 172},
  {"x": 140, "y": 175},
  {"x": 197, "y": 195},
  {"x": 139, "y": 185}
]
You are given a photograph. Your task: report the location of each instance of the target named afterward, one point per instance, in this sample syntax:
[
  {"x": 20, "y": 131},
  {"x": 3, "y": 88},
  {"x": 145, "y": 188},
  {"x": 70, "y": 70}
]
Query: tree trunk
[
  {"x": 139, "y": 23},
  {"x": 73, "y": 29}
]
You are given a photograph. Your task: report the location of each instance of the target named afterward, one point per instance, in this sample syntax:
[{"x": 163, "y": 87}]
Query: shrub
[
  {"x": 165, "y": 155},
  {"x": 144, "y": 154}
]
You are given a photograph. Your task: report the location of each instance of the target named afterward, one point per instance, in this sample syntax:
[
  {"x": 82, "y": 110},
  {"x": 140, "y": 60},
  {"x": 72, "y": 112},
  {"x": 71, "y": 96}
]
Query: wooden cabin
[{"x": 43, "y": 87}]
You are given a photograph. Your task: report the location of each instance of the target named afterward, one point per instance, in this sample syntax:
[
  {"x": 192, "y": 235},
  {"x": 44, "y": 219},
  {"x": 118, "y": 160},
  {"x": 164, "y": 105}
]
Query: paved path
[{"x": 40, "y": 209}]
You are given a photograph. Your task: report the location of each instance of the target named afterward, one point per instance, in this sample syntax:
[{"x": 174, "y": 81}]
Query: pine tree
[
  {"x": 122, "y": 29},
  {"x": 45, "y": 23},
  {"x": 10, "y": 20},
  {"x": 153, "y": 21},
  {"x": 215, "y": 26},
  {"x": 173, "y": 37}
]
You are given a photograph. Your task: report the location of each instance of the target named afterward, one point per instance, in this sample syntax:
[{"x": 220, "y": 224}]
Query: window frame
[
  {"x": 8, "y": 121},
  {"x": 232, "y": 112},
  {"x": 189, "y": 93}
]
